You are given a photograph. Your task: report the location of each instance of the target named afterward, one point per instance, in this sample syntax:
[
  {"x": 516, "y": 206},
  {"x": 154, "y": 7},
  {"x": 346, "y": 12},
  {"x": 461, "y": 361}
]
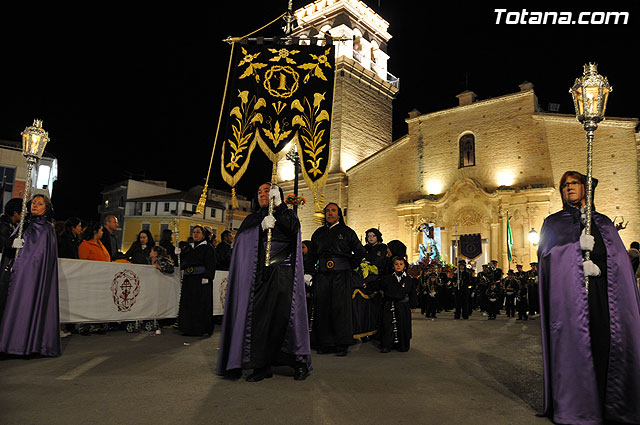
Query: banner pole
[{"x": 274, "y": 180}]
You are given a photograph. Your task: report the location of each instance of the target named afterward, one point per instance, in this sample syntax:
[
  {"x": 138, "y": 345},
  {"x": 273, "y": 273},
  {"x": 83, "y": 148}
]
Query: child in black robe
[
  {"x": 399, "y": 297},
  {"x": 429, "y": 296},
  {"x": 492, "y": 300}
]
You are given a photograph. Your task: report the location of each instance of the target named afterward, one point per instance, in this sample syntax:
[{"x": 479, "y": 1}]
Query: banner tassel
[{"x": 234, "y": 199}]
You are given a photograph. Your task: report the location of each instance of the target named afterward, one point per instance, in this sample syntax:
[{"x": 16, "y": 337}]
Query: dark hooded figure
[
  {"x": 365, "y": 303},
  {"x": 395, "y": 248},
  {"x": 339, "y": 252},
  {"x": 31, "y": 320},
  {"x": 265, "y": 316},
  {"x": 375, "y": 250},
  {"x": 195, "y": 313},
  {"x": 590, "y": 339}
]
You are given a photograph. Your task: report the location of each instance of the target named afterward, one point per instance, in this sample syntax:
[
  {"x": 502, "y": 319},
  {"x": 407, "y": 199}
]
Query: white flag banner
[{"x": 97, "y": 292}]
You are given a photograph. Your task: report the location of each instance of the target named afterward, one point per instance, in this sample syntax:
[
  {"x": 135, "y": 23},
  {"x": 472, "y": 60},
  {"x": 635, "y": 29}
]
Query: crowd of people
[
  {"x": 33, "y": 328},
  {"x": 462, "y": 290}
]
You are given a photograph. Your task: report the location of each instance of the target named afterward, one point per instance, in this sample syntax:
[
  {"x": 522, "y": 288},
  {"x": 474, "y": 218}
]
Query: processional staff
[{"x": 590, "y": 94}]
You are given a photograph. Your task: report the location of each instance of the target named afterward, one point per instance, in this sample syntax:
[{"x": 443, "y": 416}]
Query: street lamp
[
  {"x": 534, "y": 237},
  {"x": 34, "y": 141},
  {"x": 590, "y": 94}
]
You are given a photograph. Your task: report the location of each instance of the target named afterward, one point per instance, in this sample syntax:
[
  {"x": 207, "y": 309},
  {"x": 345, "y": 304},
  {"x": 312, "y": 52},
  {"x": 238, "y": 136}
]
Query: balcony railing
[{"x": 393, "y": 80}]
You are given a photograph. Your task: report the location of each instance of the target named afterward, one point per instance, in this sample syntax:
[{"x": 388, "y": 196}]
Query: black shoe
[
  {"x": 300, "y": 373},
  {"x": 325, "y": 350},
  {"x": 385, "y": 350},
  {"x": 259, "y": 374},
  {"x": 233, "y": 374}
]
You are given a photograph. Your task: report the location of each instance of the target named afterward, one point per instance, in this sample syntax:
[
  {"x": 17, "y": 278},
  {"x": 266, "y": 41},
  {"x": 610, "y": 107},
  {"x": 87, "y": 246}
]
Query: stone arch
[{"x": 324, "y": 31}]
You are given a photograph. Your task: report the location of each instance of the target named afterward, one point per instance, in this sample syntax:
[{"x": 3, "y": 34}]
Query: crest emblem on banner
[
  {"x": 125, "y": 289},
  {"x": 280, "y": 96},
  {"x": 471, "y": 245}
]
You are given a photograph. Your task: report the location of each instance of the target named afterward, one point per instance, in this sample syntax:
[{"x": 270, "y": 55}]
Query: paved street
[{"x": 457, "y": 372}]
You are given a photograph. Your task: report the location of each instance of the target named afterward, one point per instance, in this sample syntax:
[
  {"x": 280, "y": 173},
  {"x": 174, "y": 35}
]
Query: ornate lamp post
[
  {"x": 590, "y": 94},
  {"x": 34, "y": 141}
]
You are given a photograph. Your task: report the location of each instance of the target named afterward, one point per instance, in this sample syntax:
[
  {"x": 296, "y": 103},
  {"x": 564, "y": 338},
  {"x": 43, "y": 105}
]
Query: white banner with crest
[
  {"x": 99, "y": 292},
  {"x": 96, "y": 291}
]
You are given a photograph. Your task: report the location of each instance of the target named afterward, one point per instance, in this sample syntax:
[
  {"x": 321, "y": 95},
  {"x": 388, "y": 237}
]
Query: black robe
[
  {"x": 195, "y": 315},
  {"x": 223, "y": 255},
  {"x": 265, "y": 321},
  {"x": 399, "y": 298},
  {"x": 273, "y": 290},
  {"x": 338, "y": 250},
  {"x": 376, "y": 255}
]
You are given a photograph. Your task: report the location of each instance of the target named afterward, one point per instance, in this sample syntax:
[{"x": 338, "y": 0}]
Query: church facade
[
  {"x": 464, "y": 170},
  {"x": 467, "y": 168}
]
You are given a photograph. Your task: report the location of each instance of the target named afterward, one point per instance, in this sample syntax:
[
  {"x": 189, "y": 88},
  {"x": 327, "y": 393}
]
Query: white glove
[
  {"x": 586, "y": 241},
  {"x": 178, "y": 251},
  {"x": 308, "y": 279},
  {"x": 18, "y": 243},
  {"x": 269, "y": 222},
  {"x": 274, "y": 193},
  {"x": 590, "y": 269}
]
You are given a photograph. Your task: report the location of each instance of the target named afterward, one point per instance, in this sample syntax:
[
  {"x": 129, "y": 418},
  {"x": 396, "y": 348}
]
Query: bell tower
[{"x": 363, "y": 95}]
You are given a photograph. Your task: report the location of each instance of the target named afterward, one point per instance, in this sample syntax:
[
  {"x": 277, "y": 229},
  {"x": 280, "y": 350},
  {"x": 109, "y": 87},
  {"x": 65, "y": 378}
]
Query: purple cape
[
  {"x": 570, "y": 387},
  {"x": 235, "y": 341},
  {"x": 31, "y": 320}
]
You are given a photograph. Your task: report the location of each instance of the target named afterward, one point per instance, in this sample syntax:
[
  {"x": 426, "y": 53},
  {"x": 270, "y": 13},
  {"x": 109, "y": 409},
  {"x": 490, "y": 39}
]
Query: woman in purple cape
[
  {"x": 590, "y": 340},
  {"x": 31, "y": 321},
  {"x": 265, "y": 316}
]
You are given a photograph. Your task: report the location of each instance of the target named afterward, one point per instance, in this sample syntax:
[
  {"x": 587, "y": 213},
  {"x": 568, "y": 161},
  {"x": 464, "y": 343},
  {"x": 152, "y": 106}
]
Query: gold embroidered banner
[{"x": 280, "y": 95}]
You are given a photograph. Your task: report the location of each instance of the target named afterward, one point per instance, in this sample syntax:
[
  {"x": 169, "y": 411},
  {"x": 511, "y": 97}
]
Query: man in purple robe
[
  {"x": 265, "y": 318},
  {"x": 590, "y": 339}
]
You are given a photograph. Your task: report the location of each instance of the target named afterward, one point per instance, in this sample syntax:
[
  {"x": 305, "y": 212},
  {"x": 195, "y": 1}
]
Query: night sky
[{"x": 135, "y": 90}]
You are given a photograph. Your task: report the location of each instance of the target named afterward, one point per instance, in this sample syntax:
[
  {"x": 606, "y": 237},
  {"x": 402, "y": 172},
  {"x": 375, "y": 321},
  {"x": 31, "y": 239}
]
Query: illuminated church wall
[{"x": 520, "y": 154}]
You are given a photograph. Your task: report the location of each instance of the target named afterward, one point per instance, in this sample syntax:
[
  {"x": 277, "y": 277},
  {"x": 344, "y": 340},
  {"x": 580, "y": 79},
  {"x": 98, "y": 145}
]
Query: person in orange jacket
[{"x": 91, "y": 247}]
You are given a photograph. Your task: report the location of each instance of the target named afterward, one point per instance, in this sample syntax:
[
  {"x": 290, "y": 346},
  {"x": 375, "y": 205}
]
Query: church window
[{"x": 467, "y": 151}]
